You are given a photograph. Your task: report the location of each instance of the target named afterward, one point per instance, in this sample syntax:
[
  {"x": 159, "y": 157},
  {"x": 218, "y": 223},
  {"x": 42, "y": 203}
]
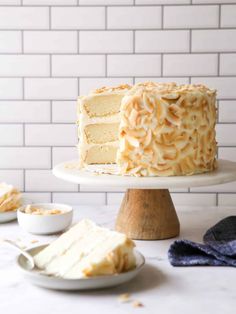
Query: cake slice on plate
[{"x": 87, "y": 250}]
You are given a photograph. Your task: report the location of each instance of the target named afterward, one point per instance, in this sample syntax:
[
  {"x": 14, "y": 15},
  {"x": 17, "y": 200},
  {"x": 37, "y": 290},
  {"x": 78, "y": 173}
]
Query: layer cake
[{"x": 150, "y": 129}]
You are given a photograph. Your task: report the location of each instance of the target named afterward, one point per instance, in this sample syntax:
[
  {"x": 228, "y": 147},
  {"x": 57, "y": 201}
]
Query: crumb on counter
[
  {"x": 137, "y": 304},
  {"x": 34, "y": 241},
  {"x": 125, "y": 297}
]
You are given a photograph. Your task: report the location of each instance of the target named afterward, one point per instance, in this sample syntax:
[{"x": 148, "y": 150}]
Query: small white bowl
[{"x": 46, "y": 224}]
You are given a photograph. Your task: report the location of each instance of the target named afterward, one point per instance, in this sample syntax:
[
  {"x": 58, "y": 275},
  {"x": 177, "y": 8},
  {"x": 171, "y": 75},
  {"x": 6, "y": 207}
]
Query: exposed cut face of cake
[
  {"x": 99, "y": 120},
  {"x": 160, "y": 129}
]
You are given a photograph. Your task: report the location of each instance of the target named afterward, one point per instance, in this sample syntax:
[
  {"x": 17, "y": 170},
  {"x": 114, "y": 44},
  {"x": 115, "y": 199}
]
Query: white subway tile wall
[
  {"x": 162, "y": 41},
  {"x": 134, "y": 65},
  {"x": 134, "y": 17},
  {"x": 64, "y": 111},
  {"x": 50, "y": 42},
  {"x": 51, "y": 51},
  {"x": 24, "y": 18},
  {"x": 191, "y": 16},
  {"x": 78, "y": 65},
  {"x": 106, "y": 42},
  {"x": 228, "y": 63},
  {"x": 10, "y": 42},
  {"x": 77, "y": 18},
  {"x": 60, "y": 154},
  {"x": 190, "y": 64}
]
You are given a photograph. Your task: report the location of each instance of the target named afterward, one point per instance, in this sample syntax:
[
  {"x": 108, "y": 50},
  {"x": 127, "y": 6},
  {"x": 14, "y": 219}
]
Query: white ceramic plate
[
  {"x": 7, "y": 216},
  {"x": 56, "y": 283},
  {"x": 12, "y": 215}
]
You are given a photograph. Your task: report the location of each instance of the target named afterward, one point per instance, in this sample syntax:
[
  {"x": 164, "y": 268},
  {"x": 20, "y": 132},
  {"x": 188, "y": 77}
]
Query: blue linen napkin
[{"x": 219, "y": 248}]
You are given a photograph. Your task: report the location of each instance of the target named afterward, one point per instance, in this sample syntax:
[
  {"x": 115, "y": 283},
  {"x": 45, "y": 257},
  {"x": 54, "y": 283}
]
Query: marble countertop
[{"x": 160, "y": 287}]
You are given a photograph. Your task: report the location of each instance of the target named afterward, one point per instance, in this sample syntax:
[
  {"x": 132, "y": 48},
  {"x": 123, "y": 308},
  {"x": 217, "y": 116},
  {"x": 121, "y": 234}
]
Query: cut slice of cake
[
  {"x": 87, "y": 250},
  {"x": 99, "y": 119}
]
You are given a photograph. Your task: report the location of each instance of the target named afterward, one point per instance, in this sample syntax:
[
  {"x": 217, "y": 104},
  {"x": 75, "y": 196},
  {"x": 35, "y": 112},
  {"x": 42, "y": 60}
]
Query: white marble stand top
[
  {"x": 161, "y": 288},
  {"x": 68, "y": 170}
]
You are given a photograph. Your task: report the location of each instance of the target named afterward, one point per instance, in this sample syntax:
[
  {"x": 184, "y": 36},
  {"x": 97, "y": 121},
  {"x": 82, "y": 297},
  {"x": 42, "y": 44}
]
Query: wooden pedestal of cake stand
[
  {"x": 147, "y": 211},
  {"x": 148, "y": 215}
]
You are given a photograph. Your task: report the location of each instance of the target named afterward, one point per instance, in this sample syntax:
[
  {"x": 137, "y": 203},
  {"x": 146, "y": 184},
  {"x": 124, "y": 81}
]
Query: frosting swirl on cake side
[{"x": 167, "y": 130}]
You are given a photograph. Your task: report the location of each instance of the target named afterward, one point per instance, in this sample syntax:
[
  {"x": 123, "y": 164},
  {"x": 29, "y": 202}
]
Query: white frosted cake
[
  {"x": 149, "y": 129},
  {"x": 87, "y": 250}
]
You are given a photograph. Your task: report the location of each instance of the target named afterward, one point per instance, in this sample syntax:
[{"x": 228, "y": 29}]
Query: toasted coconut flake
[
  {"x": 132, "y": 141},
  {"x": 137, "y": 304},
  {"x": 124, "y": 298},
  {"x": 34, "y": 241}
]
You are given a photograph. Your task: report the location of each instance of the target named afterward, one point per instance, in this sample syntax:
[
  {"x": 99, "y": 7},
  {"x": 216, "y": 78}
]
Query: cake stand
[{"x": 147, "y": 211}]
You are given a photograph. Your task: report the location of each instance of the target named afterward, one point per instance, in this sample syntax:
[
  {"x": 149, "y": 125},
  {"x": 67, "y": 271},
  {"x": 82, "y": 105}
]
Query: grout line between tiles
[
  {"x": 118, "y": 5},
  {"x": 162, "y": 65},
  {"x": 78, "y": 42},
  {"x": 106, "y": 17},
  {"x": 190, "y": 41},
  {"x": 162, "y": 17},
  {"x": 218, "y": 64},
  {"x": 60, "y": 54},
  {"x": 51, "y": 113},
  {"x": 71, "y": 77},
  {"x": 51, "y": 156},
  {"x": 99, "y": 29},
  {"x": 106, "y": 198},
  {"x": 50, "y": 18},
  {"x": 219, "y": 16},
  {"x": 134, "y": 42}
]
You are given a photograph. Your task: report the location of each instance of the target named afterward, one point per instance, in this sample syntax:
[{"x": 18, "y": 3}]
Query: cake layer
[
  {"x": 102, "y": 105},
  {"x": 101, "y": 133},
  {"x": 87, "y": 250},
  {"x": 101, "y": 154}
]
